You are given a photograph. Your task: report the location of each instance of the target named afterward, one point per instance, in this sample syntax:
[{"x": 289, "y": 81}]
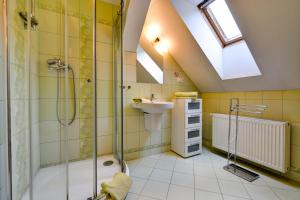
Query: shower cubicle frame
[
  {"x": 30, "y": 5},
  {"x": 7, "y": 131}
]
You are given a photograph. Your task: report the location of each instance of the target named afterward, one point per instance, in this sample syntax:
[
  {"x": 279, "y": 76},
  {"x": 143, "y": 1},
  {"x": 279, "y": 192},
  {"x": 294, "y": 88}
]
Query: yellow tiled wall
[
  {"x": 138, "y": 141},
  {"x": 282, "y": 106}
]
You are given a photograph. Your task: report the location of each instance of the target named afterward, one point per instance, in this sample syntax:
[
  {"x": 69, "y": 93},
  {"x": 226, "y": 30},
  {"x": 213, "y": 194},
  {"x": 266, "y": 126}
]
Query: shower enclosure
[{"x": 61, "y": 97}]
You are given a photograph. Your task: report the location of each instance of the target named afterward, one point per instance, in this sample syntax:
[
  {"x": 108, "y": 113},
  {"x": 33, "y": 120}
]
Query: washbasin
[{"x": 153, "y": 107}]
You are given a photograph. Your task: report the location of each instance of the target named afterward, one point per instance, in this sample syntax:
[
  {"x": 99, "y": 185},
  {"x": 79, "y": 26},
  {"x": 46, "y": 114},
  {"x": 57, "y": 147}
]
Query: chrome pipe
[
  {"x": 66, "y": 128},
  {"x": 27, "y": 66},
  {"x": 250, "y": 111},
  {"x": 8, "y": 145},
  {"x": 95, "y": 170}
]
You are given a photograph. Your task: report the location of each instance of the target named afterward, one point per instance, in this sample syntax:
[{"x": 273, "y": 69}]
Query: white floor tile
[
  {"x": 189, "y": 160},
  {"x": 148, "y": 162},
  {"x": 280, "y": 184},
  {"x": 233, "y": 189},
  {"x": 183, "y": 167},
  {"x": 142, "y": 172},
  {"x": 155, "y": 156},
  {"x": 181, "y": 179},
  {"x": 204, "y": 171},
  {"x": 155, "y": 189},
  {"x": 165, "y": 164},
  {"x": 260, "y": 192},
  {"x": 287, "y": 194},
  {"x": 202, "y": 176},
  {"x": 131, "y": 196},
  {"x": 132, "y": 164},
  {"x": 137, "y": 185},
  {"x": 258, "y": 181},
  {"x": 226, "y": 197},
  {"x": 202, "y": 159},
  {"x": 203, "y": 195},
  {"x": 169, "y": 156},
  {"x": 145, "y": 198},
  {"x": 180, "y": 193},
  {"x": 207, "y": 184},
  {"x": 225, "y": 175},
  {"x": 161, "y": 175}
]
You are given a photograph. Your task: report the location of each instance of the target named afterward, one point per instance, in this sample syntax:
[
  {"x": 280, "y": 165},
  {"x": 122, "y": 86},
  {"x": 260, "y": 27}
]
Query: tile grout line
[
  {"x": 245, "y": 188},
  {"x": 194, "y": 178},
  {"x": 216, "y": 177},
  {"x": 171, "y": 178}
]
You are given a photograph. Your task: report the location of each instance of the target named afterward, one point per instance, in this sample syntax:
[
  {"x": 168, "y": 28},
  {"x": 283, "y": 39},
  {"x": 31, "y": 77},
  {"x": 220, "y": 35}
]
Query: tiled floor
[{"x": 169, "y": 177}]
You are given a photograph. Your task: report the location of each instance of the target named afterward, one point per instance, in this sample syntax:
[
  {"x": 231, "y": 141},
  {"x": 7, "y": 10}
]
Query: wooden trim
[
  {"x": 216, "y": 27},
  {"x": 205, "y": 3}
]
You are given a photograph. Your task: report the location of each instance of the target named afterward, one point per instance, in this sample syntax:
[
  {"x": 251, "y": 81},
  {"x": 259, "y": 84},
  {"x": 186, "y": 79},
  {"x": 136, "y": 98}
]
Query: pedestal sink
[
  {"x": 153, "y": 107},
  {"x": 153, "y": 111}
]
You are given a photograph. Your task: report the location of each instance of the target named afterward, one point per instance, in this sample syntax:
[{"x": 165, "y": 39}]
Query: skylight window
[{"x": 222, "y": 21}]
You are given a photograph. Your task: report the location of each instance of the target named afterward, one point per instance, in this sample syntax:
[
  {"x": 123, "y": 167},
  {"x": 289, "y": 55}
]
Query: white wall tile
[
  {"x": 50, "y": 153},
  {"x": 105, "y": 144}
]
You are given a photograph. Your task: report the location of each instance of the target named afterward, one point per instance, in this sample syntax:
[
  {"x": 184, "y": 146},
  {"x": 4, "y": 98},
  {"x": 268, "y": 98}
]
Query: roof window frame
[{"x": 215, "y": 26}]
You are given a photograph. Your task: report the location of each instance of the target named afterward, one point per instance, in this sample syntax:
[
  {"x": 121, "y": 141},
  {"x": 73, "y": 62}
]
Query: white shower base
[{"x": 50, "y": 182}]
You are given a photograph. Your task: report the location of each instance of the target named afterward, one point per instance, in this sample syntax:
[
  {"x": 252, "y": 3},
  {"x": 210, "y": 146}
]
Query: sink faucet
[{"x": 152, "y": 97}]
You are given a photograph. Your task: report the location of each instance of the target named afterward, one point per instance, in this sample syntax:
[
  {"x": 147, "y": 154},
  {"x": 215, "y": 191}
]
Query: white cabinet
[{"x": 186, "y": 138}]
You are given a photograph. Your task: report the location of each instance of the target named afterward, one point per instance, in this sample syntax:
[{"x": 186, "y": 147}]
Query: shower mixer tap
[{"x": 57, "y": 64}]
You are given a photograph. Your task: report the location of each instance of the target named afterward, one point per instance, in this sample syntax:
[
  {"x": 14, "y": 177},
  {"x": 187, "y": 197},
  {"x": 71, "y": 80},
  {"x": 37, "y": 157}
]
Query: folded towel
[
  {"x": 186, "y": 95},
  {"x": 118, "y": 188},
  {"x": 137, "y": 100}
]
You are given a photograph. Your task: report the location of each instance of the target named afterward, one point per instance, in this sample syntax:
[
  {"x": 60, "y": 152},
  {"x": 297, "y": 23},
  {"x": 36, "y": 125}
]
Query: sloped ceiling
[
  {"x": 135, "y": 19},
  {"x": 183, "y": 46},
  {"x": 271, "y": 29}
]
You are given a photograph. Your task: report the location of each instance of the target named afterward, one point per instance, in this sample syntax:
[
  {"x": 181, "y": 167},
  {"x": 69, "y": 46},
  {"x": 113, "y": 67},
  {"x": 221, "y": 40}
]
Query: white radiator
[{"x": 265, "y": 142}]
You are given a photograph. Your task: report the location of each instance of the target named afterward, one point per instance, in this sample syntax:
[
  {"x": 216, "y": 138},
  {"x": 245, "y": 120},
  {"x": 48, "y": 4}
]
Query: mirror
[
  {"x": 149, "y": 63},
  {"x": 147, "y": 70}
]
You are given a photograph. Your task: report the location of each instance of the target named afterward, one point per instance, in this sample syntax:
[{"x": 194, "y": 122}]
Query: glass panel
[
  {"x": 223, "y": 17},
  {"x": 117, "y": 85},
  {"x": 193, "y": 105},
  {"x": 48, "y": 142},
  {"x": 194, "y": 147},
  {"x": 193, "y": 119},
  {"x": 52, "y": 87},
  {"x": 19, "y": 43},
  {"x": 3, "y": 114},
  {"x": 194, "y": 133},
  {"x": 81, "y": 132}
]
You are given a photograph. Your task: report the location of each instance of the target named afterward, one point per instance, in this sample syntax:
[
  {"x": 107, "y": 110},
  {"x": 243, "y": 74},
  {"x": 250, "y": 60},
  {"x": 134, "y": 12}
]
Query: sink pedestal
[{"x": 153, "y": 121}]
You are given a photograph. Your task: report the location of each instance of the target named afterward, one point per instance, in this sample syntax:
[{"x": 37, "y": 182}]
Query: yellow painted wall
[{"x": 282, "y": 106}]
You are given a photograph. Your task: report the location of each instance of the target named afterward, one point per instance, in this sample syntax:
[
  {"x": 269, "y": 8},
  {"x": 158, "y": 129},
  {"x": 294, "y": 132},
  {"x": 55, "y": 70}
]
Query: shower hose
[{"x": 58, "y": 97}]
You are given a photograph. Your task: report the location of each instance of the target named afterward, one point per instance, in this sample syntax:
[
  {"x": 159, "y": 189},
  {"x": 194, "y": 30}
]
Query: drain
[{"x": 108, "y": 163}]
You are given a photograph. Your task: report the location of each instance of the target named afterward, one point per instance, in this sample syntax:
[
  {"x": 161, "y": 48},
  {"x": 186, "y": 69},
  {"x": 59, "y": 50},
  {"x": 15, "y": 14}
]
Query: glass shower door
[
  {"x": 118, "y": 84},
  {"x": 37, "y": 140},
  {"x": 4, "y": 178}
]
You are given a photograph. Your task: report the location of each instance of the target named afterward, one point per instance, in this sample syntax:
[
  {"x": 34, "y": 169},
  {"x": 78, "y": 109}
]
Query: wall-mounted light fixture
[{"x": 159, "y": 44}]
